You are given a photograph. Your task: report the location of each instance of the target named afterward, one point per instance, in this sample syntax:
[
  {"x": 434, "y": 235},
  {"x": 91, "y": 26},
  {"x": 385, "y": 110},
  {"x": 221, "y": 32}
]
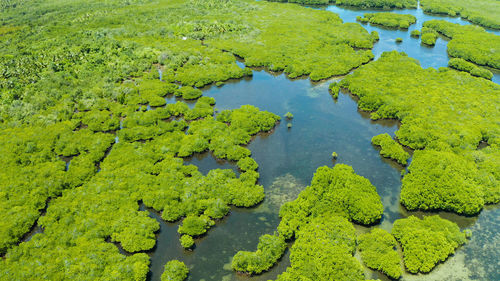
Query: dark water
[{"x": 287, "y": 159}]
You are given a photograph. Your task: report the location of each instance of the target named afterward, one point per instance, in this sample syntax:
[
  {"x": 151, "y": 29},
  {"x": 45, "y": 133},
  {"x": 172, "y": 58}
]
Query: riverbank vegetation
[
  {"x": 449, "y": 173},
  {"x": 427, "y": 242},
  {"x": 469, "y": 42},
  {"x": 391, "y": 20},
  {"x": 269, "y": 250},
  {"x": 390, "y": 148},
  {"x": 378, "y": 251},
  {"x": 463, "y": 65},
  {"x": 319, "y": 221},
  {"x": 482, "y": 12},
  {"x": 364, "y": 4}
]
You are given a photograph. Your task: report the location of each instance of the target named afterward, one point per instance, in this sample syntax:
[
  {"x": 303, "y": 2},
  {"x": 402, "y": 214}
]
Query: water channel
[{"x": 288, "y": 157}]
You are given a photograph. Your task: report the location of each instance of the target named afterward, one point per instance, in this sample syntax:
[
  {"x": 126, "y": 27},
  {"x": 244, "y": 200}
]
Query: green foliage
[
  {"x": 187, "y": 241},
  {"x": 289, "y": 125},
  {"x": 364, "y": 4},
  {"x": 289, "y": 116},
  {"x": 426, "y": 241},
  {"x": 481, "y": 12},
  {"x": 188, "y": 93},
  {"x": 463, "y": 65},
  {"x": 247, "y": 164},
  {"x": 399, "y": 40},
  {"x": 386, "y": 4},
  {"x": 99, "y": 120},
  {"x": 390, "y": 148},
  {"x": 440, "y": 180},
  {"x": 378, "y": 251},
  {"x": 327, "y": 47},
  {"x": 323, "y": 251},
  {"x": 195, "y": 225},
  {"x": 415, "y": 33},
  {"x": 335, "y": 155},
  {"x": 175, "y": 271},
  {"x": 334, "y": 89},
  {"x": 269, "y": 250},
  {"x": 338, "y": 190},
  {"x": 395, "y": 86},
  {"x": 429, "y": 36},
  {"x": 391, "y": 20},
  {"x": 469, "y": 42},
  {"x": 448, "y": 174}
]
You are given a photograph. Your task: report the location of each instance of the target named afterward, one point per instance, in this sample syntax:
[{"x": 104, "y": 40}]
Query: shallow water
[
  {"x": 428, "y": 56},
  {"x": 287, "y": 159}
]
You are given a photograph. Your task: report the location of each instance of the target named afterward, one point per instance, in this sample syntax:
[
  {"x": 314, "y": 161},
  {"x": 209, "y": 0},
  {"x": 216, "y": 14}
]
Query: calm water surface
[{"x": 287, "y": 159}]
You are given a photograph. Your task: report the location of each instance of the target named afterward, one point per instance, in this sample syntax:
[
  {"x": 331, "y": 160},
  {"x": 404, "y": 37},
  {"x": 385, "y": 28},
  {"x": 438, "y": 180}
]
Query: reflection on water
[{"x": 288, "y": 158}]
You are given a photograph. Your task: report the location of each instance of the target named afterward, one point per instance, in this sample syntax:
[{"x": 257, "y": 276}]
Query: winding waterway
[{"x": 288, "y": 157}]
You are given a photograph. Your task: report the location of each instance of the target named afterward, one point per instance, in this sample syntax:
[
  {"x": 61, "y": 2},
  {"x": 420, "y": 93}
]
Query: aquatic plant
[
  {"x": 269, "y": 250},
  {"x": 390, "y": 148},
  {"x": 399, "y": 40},
  {"x": 388, "y": 19},
  {"x": 378, "y": 251},
  {"x": 427, "y": 241},
  {"x": 325, "y": 244},
  {"x": 334, "y": 155},
  {"x": 289, "y": 116},
  {"x": 415, "y": 33},
  {"x": 334, "y": 89},
  {"x": 187, "y": 241},
  {"x": 429, "y": 36},
  {"x": 463, "y": 65},
  {"x": 469, "y": 42},
  {"x": 175, "y": 271},
  {"x": 445, "y": 175},
  {"x": 482, "y": 12}
]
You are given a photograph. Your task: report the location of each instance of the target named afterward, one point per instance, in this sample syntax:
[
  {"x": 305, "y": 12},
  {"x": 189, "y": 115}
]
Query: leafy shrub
[
  {"x": 378, "y": 251},
  {"x": 427, "y": 241},
  {"x": 175, "y": 271},
  {"x": 187, "y": 241},
  {"x": 415, "y": 33},
  {"x": 463, "y": 65},
  {"x": 269, "y": 250},
  {"x": 195, "y": 225},
  {"x": 390, "y": 148},
  {"x": 469, "y": 42},
  {"x": 484, "y": 12},
  {"x": 325, "y": 244},
  {"x": 389, "y": 19}
]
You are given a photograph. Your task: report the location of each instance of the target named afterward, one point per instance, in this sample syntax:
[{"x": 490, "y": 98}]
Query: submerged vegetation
[
  {"x": 388, "y": 19},
  {"x": 427, "y": 241}
]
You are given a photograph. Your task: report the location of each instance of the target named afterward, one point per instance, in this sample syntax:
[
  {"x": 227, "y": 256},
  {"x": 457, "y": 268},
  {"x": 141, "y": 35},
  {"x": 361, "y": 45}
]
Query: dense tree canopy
[
  {"x": 469, "y": 42},
  {"x": 388, "y": 19},
  {"x": 378, "y": 251},
  {"x": 463, "y": 65},
  {"x": 426, "y": 241},
  {"x": 481, "y": 12},
  {"x": 390, "y": 148},
  {"x": 446, "y": 112}
]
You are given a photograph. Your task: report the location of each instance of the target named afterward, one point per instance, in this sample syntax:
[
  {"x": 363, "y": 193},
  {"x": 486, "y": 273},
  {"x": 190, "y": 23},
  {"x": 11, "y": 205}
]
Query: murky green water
[{"x": 288, "y": 158}]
